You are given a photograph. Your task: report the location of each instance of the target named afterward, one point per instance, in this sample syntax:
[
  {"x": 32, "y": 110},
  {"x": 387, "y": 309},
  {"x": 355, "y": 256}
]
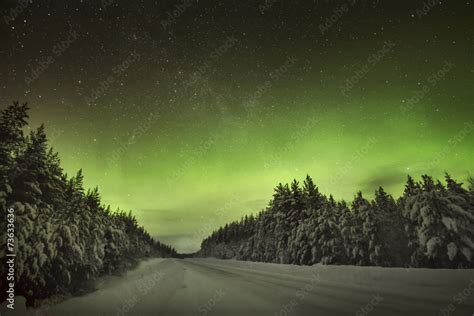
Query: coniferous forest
[
  {"x": 431, "y": 225},
  {"x": 247, "y": 158},
  {"x": 65, "y": 236}
]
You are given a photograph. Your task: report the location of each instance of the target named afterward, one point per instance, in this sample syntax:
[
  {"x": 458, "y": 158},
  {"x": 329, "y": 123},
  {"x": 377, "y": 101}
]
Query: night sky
[{"x": 190, "y": 112}]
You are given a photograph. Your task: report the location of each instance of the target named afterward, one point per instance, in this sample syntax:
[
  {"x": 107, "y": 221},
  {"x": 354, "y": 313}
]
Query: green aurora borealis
[{"x": 188, "y": 158}]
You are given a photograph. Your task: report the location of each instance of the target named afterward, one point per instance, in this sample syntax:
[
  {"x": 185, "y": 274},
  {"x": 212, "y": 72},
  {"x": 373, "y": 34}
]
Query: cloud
[
  {"x": 183, "y": 243},
  {"x": 383, "y": 179},
  {"x": 169, "y": 215},
  {"x": 180, "y": 226}
]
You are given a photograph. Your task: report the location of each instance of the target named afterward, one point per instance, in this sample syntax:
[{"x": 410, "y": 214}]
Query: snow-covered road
[{"x": 229, "y": 287}]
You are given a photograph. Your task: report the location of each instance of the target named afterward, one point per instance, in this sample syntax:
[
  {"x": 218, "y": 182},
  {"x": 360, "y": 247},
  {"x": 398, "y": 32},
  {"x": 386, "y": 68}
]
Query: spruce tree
[
  {"x": 65, "y": 238},
  {"x": 312, "y": 196},
  {"x": 361, "y": 232},
  {"x": 442, "y": 221},
  {"x": 429, "y": 226}
]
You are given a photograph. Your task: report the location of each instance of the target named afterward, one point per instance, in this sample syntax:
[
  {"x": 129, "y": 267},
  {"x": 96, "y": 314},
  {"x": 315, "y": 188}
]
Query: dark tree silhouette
[
  {"x": 430, "y": 225},
  {"x": 65, "y": 237}
]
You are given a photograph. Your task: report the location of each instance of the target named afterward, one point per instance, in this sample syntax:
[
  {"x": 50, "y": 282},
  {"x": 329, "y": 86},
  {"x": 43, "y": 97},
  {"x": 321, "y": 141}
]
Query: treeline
[
  {"x": 431, "y": 225},
  {"x": 65, "y": 237}
]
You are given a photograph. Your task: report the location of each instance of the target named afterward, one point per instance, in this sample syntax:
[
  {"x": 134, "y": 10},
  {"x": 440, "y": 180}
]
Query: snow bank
[{"x": 359, "y": 275}]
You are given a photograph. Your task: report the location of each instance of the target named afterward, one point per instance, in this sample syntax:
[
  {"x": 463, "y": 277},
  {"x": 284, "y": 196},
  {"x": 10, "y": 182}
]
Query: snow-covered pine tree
[
  {"x": 61, "y": 242},
  {"x": 313, "y": 199},
  {"x": 329, "y": 242},
  {"x": 443, "y": 222},
  {"x": 278, "y": 225},
  {"x": 288, "y": 249},
  {"x": 362, "y": 230},
  {"x": 389, "y": 245}
]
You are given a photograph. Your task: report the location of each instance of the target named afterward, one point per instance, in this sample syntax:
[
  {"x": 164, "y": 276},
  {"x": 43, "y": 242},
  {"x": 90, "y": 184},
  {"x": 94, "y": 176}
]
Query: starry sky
[{"x": 189, "y": 112}]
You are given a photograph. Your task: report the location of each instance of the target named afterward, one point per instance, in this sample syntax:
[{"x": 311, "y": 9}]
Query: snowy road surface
[{"x": 228, "y": 287}]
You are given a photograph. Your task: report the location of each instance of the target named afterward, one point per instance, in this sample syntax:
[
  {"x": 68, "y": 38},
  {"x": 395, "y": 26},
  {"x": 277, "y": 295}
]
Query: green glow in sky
[
  {"x": 180, "y": 189},
  {"x": 187, "y": 156}
]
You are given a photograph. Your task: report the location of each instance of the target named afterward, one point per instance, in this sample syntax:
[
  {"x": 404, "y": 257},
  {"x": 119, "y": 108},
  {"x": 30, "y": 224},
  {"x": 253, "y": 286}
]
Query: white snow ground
[{"x": 228, "y": 287}]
